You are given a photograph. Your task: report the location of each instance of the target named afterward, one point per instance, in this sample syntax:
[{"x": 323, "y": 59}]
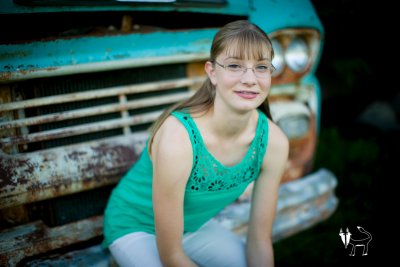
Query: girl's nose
[{"x": 248, "y": 77}]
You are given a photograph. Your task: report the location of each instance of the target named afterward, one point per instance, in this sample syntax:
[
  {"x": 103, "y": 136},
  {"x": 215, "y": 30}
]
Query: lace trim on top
[{"x": 208, "y": 174}]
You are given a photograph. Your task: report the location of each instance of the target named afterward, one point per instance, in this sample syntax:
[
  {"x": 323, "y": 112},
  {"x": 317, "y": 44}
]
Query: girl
[{"x": 200, "y": 157}]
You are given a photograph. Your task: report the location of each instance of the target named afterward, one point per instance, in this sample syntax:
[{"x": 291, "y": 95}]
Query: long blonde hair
[{"x": 248, "y": 41}]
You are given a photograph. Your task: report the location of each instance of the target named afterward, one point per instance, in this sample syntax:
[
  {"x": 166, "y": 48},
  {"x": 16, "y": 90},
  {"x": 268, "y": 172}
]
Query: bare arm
[
  {"x": 264, "y": 200},
  {"x": 172, "y": 162}
]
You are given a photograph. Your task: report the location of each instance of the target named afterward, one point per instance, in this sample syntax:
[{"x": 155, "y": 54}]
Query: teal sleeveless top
[{"x": 210, "y": 187}]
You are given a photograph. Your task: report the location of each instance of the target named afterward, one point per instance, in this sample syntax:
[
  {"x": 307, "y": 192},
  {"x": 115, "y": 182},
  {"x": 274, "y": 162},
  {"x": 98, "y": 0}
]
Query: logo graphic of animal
[{"x": 347, "y": 240}]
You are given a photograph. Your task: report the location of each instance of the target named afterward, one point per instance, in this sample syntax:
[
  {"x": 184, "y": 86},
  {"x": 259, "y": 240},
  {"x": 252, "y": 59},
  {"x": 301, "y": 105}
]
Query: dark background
[{"x": 358, "y": 140}]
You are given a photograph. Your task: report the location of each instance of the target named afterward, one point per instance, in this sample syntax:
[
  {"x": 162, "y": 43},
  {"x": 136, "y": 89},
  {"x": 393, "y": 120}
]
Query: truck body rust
[{"x": 30, "y": 177}]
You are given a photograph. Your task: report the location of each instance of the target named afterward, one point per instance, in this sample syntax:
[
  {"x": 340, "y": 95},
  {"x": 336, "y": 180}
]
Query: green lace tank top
[{"x": 210, "y": 187}]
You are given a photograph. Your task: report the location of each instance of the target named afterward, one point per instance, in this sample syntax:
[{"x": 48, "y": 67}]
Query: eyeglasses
[{"x": 237, "y": 70}]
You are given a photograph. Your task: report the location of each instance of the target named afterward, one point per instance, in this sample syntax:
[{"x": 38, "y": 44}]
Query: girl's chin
[
  {"x": 247, "y": 107},
  {"x": 249, "y": 104}
]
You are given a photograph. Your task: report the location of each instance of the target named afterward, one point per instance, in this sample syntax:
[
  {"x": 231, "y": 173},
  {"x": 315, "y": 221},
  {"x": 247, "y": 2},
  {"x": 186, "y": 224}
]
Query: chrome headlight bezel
[
  {"x": 279, "y": 58},
  {"x": 297, "y": 55},
  {"x": 299, "y": 49},
  {"x": 292, "y": 117},
  {"x": 295, "y": 126}
]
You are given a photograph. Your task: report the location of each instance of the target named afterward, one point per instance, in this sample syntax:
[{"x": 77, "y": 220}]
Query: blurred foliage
[
  {"x": 350, "y": 72},
  {"x": 337, "y": 153}
]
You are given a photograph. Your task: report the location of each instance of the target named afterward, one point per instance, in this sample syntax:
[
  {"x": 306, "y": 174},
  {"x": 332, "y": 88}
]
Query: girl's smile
[{"x": 246, "y": 94}]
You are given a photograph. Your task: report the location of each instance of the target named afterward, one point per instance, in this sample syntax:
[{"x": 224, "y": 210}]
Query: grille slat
[
  {"x": 81, "y": 129},
  {"x": 103, "y": 109},
  {"x": 60, "y": 111},
  {"x": 62, "y": 119},
  {"x": 101, "y": 93}
]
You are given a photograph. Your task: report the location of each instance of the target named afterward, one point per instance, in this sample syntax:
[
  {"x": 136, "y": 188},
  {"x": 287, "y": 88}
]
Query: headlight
[
  {"x": 278, "y": 61},
  {"x": 292, "y": 117},
  {"x": 294, "y": 126},
  {"x": 297, "y": 55}
]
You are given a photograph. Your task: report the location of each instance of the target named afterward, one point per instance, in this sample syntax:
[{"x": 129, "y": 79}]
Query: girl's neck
[{"x": 227, "y": 124}]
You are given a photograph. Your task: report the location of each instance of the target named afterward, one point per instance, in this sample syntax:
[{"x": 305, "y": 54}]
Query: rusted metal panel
[
  {"x": 81, "y": 129},
  {"x": 34, "y": 238},
  {"x": 301, "y": 154},
  {"x": 288, "y": 103},
  {"x": 94, "y": 256},
  {"x": 301, "y": 204},
  {"x": 102, "y": 92},
  {"x": 304, "y": 203},
  {"x": 30, "y": 177}
]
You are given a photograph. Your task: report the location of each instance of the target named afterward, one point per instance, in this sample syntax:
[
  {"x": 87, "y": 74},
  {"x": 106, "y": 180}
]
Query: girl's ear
[{"x": 209, "y": 68}]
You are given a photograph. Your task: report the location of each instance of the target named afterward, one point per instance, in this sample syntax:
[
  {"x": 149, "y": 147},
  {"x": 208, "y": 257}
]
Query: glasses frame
[{"x": 245, "y": 69}]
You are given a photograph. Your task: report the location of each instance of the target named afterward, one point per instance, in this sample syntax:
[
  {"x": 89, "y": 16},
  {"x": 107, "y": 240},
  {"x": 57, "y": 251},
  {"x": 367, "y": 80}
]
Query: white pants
[{"x": 211, "y": 246}]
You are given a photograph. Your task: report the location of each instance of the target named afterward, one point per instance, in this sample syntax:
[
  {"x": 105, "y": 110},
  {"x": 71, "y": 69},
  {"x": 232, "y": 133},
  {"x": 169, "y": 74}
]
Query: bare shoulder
[
  {"x": 172, "y": 140},
  {"x": 277, "y": 149},
  {"x": 276, "y": 156},
  {"x": 277, "y": 138}
]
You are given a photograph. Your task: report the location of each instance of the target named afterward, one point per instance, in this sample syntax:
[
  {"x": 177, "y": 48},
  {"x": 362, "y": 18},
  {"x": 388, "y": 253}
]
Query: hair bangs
[{"x": 249, "y": 45}]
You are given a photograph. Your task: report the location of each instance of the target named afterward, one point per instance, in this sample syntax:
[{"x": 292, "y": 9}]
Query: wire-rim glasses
[{"x": 236, "y": 70}]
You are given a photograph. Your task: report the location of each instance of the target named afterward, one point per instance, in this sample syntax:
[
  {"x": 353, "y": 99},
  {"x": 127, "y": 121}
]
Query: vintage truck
[{"x": 80, "y": 84}]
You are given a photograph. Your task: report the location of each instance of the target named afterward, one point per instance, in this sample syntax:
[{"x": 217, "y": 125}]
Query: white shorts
[{"x": 210, "y": 246}]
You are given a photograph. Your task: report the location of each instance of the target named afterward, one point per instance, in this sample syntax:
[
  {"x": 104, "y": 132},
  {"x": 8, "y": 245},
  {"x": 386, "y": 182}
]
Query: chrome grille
[{"x": 66, "y": 110}]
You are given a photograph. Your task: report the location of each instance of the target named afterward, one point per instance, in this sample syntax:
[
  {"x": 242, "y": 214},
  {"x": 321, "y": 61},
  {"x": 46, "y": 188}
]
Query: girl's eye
[
  {"x": 262, "y": 68},
  {"x": 234, "y": 67}
]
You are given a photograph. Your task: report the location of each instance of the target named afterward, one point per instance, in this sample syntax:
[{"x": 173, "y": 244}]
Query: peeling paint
[
  {"x": 35, "y": 238},
  {"x": 13, "y": 54},
  {"x": 50, "y": 173}
]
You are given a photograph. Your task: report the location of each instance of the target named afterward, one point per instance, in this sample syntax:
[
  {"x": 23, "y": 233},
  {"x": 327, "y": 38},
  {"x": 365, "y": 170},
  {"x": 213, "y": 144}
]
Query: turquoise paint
[
  {"x": 269, "y": 15},
  {"x": 275, "y": 15},
  {"x": 272, "y": 15},
  {"x": 233, "y": 7},
  {"x": 63, "y": 52}
]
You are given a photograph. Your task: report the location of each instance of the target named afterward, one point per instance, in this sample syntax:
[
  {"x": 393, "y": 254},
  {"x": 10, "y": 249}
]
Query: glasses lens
[
  {"x": 234, "y": 69},
  {"x": 237, "y": 70}
]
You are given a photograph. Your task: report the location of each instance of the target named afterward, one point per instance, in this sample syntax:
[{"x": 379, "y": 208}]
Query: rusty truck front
[{"x": 82, "y": 81}]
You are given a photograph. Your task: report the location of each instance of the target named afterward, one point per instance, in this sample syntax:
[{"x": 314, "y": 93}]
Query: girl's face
[{"x": 241, "y": 84}]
